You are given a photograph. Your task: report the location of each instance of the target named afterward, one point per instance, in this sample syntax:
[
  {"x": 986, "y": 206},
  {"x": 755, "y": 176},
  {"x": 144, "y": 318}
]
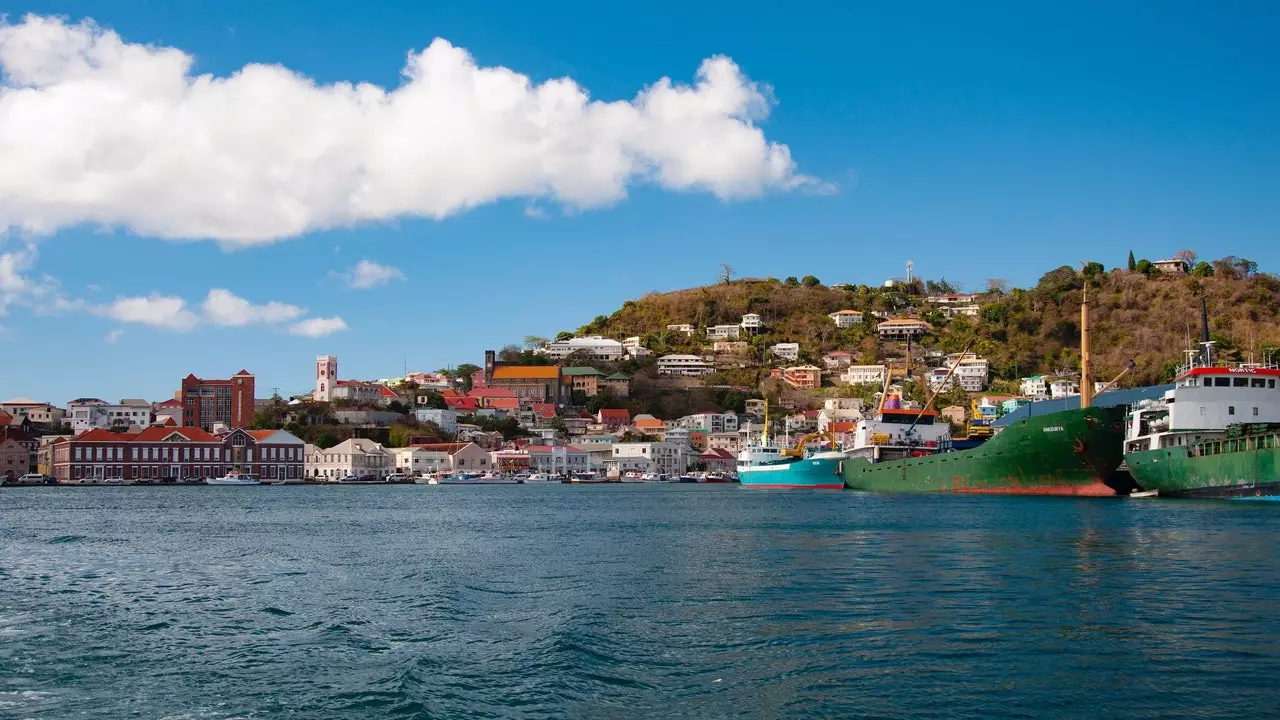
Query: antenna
[{"x": 910, "y": 265}]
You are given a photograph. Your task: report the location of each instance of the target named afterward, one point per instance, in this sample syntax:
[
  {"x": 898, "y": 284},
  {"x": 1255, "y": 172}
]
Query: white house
[
  {"x": 85, "y": 414},
  {"x": 1176, "y": 266},
  {"x": 633, "y": 348},
  {"x": 565, "y": 459},
  {"x": 42, "y": 413},
  {"x": 950, "y": 311},
  {"x": 690, "y": 365},
  {"x": 710, "y": 422},
  {"x": 685, "y": 328},
  {"x": 846, "y": 318},
  {"x": 786, "y": 351},
  {"x": 1034, "y": 386},
  {"x": 655, "y": 457},
  {"x": 951, "y": 299},
  {"x": 752, "y": 323},
  {"x": 971, "y": 372},
  {"x": 900, "y": 329},
  {"x": 442, "y": 457},
  {"x": 1063, "y": 388},
  {"x": 724, "y": 332},
  {"x": 357, "y": 456},
  {"x": 446, "y": 420},
  {"x": 594, "y": 347},
  {"x": 861, "y": 374},
  {"x": 839, "y": 410}
]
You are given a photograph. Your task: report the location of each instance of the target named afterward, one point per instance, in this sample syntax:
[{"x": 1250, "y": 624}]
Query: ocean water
[{"x": 631, "y": 601}]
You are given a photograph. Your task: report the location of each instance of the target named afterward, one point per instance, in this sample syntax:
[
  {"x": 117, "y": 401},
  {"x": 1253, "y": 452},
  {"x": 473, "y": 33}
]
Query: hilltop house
[
  {"x": 846, "y": 318},
  {"x": 902, "y": 329}
]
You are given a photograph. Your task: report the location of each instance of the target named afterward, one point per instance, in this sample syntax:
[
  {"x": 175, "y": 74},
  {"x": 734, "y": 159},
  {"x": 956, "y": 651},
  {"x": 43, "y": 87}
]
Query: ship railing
[{"x": 1246, "y": 443}]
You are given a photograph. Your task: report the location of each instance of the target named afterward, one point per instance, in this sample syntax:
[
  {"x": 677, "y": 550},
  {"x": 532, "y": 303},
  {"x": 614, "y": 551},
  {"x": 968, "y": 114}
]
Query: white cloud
[
  {"x": 18, "y": 286},
  {"x": 113, "y": 336},
  {"x": 367, "y": 274},
  {"x": 97, "y": 130},
  {"x": 160, "y": 311},
  {"x": 318, "y": 327},
  {"x": 222, "y": 307}
]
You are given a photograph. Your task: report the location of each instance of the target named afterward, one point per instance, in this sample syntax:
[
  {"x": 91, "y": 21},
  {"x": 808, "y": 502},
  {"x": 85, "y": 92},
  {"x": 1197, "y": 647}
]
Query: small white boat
[
  {"x": 233, "y": 479},
  {"x": 537, "y": 478},
  {"x": 426, "y": 480},
  {"x": 1145, "y": 494},
  {"x": 496, "y": 479}
]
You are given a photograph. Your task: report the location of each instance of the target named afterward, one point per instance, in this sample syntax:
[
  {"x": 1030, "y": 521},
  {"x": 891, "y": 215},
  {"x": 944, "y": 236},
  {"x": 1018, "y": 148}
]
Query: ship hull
[
  {"x": 1073, "y": 453},
  {"x": 811, "y": 473},
  {"x": 1253, "y": 472}
]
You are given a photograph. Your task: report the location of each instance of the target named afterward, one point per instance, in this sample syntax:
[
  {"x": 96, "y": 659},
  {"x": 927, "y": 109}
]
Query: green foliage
[
  {"x": 1132, "y": 266},
  {"x": 325, "y": 440},
  {"x": 433, "y": 400},
  {"x": 1145, "y": 267},
  {"x": 565, "y": 334},
  {"x": 465, "y": 371},
  {"x": 791, "y": 281},
  {"x": 1202, "y": 270},
  {"x": 509, "y": 427},
  {"x": 1093, "y": 270},
  {"x": 994, "y": 314},
  {"x": 810, "y": 281}
]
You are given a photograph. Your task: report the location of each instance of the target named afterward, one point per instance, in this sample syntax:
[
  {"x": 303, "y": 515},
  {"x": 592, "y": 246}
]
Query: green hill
[{"x": 1139, "y": 314}]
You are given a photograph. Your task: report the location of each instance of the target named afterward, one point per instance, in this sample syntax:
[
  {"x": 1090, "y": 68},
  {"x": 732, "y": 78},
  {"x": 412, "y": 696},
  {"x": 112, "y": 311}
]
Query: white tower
[
  {"x": 910, "y": 266},
  {"x": 326, "y": 377}
]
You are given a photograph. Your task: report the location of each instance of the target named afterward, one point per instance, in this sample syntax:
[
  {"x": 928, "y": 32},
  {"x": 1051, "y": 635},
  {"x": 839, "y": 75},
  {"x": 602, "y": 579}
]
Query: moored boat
[
  {"x": 1215, "y": 434},
  {"x": 233, "y": 478}
]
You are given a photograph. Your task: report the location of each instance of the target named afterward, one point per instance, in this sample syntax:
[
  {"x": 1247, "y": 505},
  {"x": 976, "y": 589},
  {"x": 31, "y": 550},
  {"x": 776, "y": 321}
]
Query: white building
[
  {"x": 442, "y": 457},
  {"x": 633, "y": 348},
  {"x": 971, "y": 372},
  {"x": 950, "y": 311},
  {"x": 681, "y": 436},
  {"x": 1063, "y": 388},
  {"x": 951, "y": 299},
  {"x": 690, "y": 365},
  {"x": 861, "y": 374},
  {"x": 786, "y": 351},
  {"x": 846, "y": 318},
  {"x": 901, "y": 329},
  {"x": 38, "y": 412},
  {"x": 560, "y": 459},
  {"x": 710, "y": 422},
  {"x": 1034, "y": 386},
  {"x": 839, "y": 410},
  {"x": 752, "y": 323},
  {"x": 594, "y": 347},
  {"x": 655, "y": 457},
  {"x": 357, "y": 456},
  {"x": 685, "y": 328},
  {"x": 446, "y": 420},
  {"x": 724, "y": 332},
  {"x": 85, "y": 414}
]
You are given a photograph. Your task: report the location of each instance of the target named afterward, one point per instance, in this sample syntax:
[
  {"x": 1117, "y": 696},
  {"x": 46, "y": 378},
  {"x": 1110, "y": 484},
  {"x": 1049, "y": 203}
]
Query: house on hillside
[
  {"x": 837, "y": 359},
  {"x": 805, "y": 377},
  {"x": 786, "y": 351},
  {"x": 1175, "y": 266},
  {"x": 586, "y": 380},
  {"x": 846, "y": 318},
  {"x": 902, "y": 329}
]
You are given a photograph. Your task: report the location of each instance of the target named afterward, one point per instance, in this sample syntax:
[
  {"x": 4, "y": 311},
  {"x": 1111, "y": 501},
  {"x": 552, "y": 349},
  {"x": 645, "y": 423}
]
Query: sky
[{"x": 200, "y": 188}]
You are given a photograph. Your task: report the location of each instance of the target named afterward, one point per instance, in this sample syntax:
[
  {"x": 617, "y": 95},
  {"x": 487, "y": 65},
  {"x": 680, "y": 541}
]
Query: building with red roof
[
  {"x": 613, "y": 419},
  {"x": 161, "y": 453},
  {"x": 206, "y": 403}
]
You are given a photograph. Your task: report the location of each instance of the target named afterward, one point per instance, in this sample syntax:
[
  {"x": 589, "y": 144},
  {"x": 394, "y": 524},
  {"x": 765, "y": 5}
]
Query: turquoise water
[{"x": 631, "y": 601}]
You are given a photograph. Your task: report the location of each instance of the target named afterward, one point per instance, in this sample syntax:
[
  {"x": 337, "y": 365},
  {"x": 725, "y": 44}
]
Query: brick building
[
  {"x": 173, "y": 453},
  {"x": 530, "y": 383},
  {"x": 208, "y": 402}
]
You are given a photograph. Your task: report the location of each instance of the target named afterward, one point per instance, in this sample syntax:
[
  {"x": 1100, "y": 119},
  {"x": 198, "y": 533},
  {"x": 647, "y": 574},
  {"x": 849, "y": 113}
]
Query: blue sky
[{"x": 991, "y": 141}]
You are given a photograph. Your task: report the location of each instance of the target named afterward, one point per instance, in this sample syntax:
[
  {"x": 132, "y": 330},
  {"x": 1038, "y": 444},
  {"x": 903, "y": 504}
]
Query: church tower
[{"x": 326, "y": 377}]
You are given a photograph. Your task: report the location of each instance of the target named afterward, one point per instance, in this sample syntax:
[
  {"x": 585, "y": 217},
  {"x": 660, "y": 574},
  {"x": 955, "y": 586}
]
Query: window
[
  {"x": 1202, "y": 411},
  {"x": 1231, "y": 410},
  {"x": 135, "y": 452},
  {"x": 1222, "y": 382},
  {"x": 97, "y": 453},
  {"x": 1240, "y": 382},
  {"x": 77, "y": 453},
  {"x": 1255, "y": 411},
  {"x": 1271, "y": 383},
  {"x": 1257, "y": 382}
]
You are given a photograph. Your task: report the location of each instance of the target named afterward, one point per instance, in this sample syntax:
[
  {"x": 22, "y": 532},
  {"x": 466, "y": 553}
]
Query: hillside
[{"x": 1140, "y": 314}]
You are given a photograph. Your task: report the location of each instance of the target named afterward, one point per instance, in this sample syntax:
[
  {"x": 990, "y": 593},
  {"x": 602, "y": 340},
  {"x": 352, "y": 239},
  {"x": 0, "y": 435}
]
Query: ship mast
[{"x": 1086, "y": 379}]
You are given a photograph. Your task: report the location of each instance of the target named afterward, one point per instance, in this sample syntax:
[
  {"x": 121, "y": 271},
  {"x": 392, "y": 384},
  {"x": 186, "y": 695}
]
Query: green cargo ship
[
  {"x": 1072, "y": 452},
  {"x": 1215, "y": 434}
]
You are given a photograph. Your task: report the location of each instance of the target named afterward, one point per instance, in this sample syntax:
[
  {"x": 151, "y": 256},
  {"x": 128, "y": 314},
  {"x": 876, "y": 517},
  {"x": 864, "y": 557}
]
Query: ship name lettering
[{"x": 1054, "y": 428}]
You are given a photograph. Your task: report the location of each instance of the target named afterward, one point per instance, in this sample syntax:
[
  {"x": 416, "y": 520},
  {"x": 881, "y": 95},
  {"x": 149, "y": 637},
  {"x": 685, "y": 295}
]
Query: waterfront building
[
  {"x": 649, "y": 457},
  {"x": 684, "y": 365},
  {"x": 730, "y": 441},
  {"x": 206, "y": 403},
  {"x": 718, "y": 460},
  {"x": 15, "y": 459},
  {"x": 166, "y": 452},
  {"x": 846, "y": 318},
  {"x": 454, "y": 457},
  {"x": 356, "y": 457},
  {"x": 563, "y": 459}
]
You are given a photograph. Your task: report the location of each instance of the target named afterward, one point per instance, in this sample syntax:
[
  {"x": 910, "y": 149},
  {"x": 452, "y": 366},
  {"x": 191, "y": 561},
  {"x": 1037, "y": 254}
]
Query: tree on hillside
[
  {"x": 1188, "y": 257},
  {"x": 1132, "y": 264},
  {"x": 1247, "y": 268},
  {"x": 810, "y": 281},
  {"x": 533, "y": 342},
  {"x": 509, "y": 353},
  {"x": 792, "y": 281},
  {"x": 1093, "y": 270},
  {"x": 1145, "y": 267},
  {"x": 563, "y": 335},
  {"x": 726, "y": 273},
  {"x": 1202, "y": 269},
  {"x": 465, "y": 371},
  {"x": 997, "y": 285}
]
